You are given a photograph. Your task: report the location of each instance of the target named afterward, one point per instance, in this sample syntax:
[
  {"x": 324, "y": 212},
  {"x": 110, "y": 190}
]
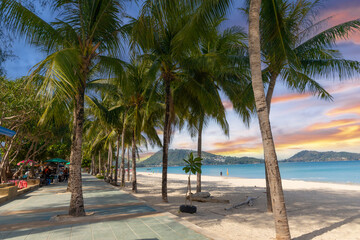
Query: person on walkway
[
  {"x": 66, "y": 174},
  {"x": 47, "y": 175}
]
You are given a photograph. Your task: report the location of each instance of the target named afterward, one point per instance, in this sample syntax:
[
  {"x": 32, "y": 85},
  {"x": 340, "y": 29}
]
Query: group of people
[{"x": 48, "y": 174}]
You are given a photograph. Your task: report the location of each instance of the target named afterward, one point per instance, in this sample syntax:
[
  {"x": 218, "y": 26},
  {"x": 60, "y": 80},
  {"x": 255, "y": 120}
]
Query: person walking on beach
[{"x": 221, "y": 173}]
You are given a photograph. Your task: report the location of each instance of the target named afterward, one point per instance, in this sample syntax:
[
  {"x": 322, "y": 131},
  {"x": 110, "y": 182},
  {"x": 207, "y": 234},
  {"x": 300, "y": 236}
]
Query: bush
[{"x": 98, "y": 176}]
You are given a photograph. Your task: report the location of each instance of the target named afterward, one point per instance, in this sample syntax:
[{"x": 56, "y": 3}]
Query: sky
[{"x": 299, "y": 121}]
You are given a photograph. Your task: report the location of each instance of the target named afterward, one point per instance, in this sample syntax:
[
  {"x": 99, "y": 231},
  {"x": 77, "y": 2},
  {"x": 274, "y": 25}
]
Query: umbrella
[
  {"x": 30, "y": 162},
  {"x": 57, "y": 160},
  {"x": 7, "y": 132}
]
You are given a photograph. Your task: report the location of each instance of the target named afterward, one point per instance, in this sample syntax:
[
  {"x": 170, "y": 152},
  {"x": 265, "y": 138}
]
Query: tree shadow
[{"x": 319, "y": 232}]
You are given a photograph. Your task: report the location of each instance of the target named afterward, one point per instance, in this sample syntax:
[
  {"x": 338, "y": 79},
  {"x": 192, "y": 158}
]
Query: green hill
[
  {"x": 176, "y": 157},
  {"x": 314, "y": 156}
]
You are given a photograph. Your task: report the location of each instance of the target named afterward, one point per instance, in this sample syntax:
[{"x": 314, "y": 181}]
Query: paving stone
[{"x": 96, "y": 192}]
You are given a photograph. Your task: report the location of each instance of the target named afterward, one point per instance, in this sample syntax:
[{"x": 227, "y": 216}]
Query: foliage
[
  {"x": 86, "y": 162},
  {"x": 99, "y": 176},
  {"x": 192, "y": 165}
]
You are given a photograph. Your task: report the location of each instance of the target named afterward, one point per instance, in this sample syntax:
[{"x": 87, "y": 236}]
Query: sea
[{"x": 337, "y": 172}]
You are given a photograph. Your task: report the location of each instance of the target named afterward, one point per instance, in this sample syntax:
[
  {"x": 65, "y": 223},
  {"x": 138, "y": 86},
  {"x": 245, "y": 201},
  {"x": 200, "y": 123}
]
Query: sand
[{"x": 315, "y": 210}]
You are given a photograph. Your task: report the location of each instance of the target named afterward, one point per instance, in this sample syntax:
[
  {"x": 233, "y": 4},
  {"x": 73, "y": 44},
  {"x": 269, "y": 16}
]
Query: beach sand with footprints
[{"x": 315, "y": 210}]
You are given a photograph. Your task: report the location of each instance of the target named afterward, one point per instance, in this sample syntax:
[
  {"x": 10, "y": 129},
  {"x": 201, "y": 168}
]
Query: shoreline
[
  {"x": 282, "y": 179},
  {"x": 316, "y": 210}
]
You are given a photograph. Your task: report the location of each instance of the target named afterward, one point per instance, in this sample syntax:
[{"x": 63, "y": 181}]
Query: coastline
[
  {"x": 324, "y": 172},
  {"x": 316, "y": 210}
]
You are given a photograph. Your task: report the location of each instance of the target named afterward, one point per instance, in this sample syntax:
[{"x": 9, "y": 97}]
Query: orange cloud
[
  {"x": 354, "y": 109},
  {"x": 332, "y": 124},
  {"x": 290, "y": 97},
  {"x": 256, "y": 150},
  {"x": 185, "y": 145},
  {"x": 339, "y": 88},
  {"x": 344, "y": 15},
  {"x": 349, "y": 134},
  {"x": 328, "y": 135},
  {"x": 235, "y": 143},
  {"x": 144, "y": 156}
]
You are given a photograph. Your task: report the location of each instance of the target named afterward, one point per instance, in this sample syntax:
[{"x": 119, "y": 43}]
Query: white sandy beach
[{"x": 315, "y": 210}]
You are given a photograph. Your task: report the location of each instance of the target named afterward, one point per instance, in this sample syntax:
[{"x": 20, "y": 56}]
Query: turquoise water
[{"x": 341, "y": 172}]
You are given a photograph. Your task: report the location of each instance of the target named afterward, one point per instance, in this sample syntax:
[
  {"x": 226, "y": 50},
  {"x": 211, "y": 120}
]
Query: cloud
[
  {"x": 227, "y": 104},
  {"x": 290, "y": 97},
  {"x": 352, "y": 109},
  {"x": 144, "y": 156},
  {"x": 341, "y": 13},
  {"x": 256, "y": 150},
  {"x": 322, "y": 135},
  {"x": 236, "y": 143},
  {"x": 332, "y": 124},
  {"x": 185, "y": 145},
  {"x": 321, "y": 138}
]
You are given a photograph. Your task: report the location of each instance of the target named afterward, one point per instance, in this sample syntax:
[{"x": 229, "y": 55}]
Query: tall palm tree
[
  {"x": 221, "y": 63},
  {"x": 166, "y": 31},
  {"x": 74, "y": 42},
  {"x": 296, "y": 48},
  {"x": 278, "y": 202}
]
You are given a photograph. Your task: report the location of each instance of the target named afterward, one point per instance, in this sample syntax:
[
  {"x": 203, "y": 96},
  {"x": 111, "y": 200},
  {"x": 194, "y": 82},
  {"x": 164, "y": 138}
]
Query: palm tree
[
  {"x": 295, "y": 51},
  {"x": 145, "y": 106},
  {"x": 278, "y": 202},
  {"x": 166, "y": 31},
  {"x": 85, "y": 29},
  {"x": 221, "y": 63}
]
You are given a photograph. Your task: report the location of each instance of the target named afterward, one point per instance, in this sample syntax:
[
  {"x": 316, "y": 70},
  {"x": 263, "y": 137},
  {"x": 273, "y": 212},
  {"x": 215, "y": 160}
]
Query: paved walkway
[{"x": 116, "y": 215}]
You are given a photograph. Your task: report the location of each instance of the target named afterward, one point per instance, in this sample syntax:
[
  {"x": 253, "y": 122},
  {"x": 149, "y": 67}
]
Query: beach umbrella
[
  {"x": 57, "y": 160},
  {"x": 30, "y": 162},
  {"x": 7, "y": 132}
]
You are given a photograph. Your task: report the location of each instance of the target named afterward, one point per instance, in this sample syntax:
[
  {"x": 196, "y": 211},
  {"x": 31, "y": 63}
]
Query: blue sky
[{"x": 299, "y": 122}]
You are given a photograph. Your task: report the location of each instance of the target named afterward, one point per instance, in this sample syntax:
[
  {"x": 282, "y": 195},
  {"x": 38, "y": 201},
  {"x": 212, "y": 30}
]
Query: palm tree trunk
[
  {"x": 269, "y": 95},
  {"x": 198, "y": 181},
  {"x": 117, "y": 160},
  {"x": 166, "y": 140},
  {"x": 128, "y": 165},
  {"x": 123, "y": 152},
  {"x": 123, "y": 159},
  {"x": 100, "y": 163},
  {"x": 134, "y": 184},
  {"x": 92, "y": 164},
  {"x": 278, "y": 202},
  {"x": 77, "y": 202},
  {"x": 108, "y": 164},
  {"x": 111, "y": 162},
  {"x": 270, "y": 90}
]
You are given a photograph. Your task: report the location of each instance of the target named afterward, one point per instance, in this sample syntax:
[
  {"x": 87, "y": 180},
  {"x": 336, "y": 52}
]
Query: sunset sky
[{"x": 299, "y": 122}]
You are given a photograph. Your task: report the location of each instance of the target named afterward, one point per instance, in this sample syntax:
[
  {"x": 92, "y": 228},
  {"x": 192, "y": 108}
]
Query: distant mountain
[
  {"x": 314, "y": 156},
  {"x": 176, "y": 157}
]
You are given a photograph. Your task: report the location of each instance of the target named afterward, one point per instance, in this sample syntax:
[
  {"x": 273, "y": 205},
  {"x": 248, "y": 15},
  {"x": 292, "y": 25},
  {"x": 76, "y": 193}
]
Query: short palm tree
[{"x": 84, "y": 30}]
